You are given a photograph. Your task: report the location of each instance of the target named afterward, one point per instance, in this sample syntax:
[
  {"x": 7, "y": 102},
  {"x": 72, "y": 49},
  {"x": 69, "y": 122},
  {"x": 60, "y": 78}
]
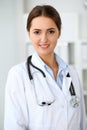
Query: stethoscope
[{"x": 74, "y": 100}]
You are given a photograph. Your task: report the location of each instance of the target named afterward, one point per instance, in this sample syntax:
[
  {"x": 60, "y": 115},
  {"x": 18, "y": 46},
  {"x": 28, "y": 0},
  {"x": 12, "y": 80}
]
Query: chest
[{"x": 59, "y": 113}]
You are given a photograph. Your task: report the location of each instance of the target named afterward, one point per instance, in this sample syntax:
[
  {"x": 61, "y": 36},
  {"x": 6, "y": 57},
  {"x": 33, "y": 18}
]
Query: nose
[{"x": 44, "y": 38}]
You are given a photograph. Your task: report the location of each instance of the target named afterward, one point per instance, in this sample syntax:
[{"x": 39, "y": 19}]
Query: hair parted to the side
[{"x": 44, "y": 10}]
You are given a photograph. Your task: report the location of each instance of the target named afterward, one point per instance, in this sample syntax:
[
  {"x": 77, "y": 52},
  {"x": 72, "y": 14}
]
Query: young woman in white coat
[{"x": 44, "y": 93}]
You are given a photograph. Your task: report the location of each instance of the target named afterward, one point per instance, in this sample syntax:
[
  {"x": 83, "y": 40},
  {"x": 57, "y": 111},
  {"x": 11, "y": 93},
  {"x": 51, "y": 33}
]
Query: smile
[{"x": 44, "y": 46}]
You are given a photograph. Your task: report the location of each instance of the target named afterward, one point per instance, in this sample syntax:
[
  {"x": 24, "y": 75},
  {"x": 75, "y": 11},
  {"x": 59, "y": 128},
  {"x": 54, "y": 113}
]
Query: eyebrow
[
  {"x": 51, "y": 29},
  {"x": 36, "y": 29}
]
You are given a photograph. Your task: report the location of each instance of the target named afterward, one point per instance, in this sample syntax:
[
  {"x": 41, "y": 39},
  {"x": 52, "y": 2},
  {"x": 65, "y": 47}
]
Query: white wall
[
  {"x": 76, "y": 6},
  {"x": 70, "y": 6},
  {"x": 10, "y": 54}
]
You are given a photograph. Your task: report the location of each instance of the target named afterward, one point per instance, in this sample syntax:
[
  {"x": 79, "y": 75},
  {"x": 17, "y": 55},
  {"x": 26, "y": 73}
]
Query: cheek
[
  {"x": 35, "y": 42},
  {"x": 33, "y": 39},
  {"x": 54, "y": 40}
]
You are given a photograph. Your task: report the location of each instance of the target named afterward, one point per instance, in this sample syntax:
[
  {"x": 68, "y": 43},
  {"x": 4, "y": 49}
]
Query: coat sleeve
[
  {"x": 16, "y": 116},
  {"x": 83, "y": 123}
]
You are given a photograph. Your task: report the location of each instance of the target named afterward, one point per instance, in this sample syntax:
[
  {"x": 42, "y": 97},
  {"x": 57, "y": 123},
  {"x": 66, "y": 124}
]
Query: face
[{"x": 44, "y": 34}]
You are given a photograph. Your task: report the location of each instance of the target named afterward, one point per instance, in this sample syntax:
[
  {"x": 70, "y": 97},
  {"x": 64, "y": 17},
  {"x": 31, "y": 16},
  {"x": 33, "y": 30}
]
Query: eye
[
  {"x": 51, "y": 31},
  {"x": 37, "y": 32}
]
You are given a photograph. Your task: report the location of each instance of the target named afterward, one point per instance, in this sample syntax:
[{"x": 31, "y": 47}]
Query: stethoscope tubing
[
  {"x": 28, "y": 67},
  {"x": 74, "y": 101},
  {"x": 71, "y": 89}
]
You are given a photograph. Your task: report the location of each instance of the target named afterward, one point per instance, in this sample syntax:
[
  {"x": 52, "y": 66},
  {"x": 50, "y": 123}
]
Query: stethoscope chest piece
[{"x": 74, "y": 101}]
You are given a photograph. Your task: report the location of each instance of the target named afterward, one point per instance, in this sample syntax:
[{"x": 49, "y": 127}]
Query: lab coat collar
[
  {"x": 64, "y": 68},
  {"x": 62, "y": 65},
  {"x": 66, "y": 85},
  {"x": 36, "y": 60}
]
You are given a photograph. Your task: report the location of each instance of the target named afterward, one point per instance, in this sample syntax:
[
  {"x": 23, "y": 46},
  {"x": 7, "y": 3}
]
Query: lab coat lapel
[
  {"x": 59, "y": 95},
  {"x": 37, "y": 62},
  {"x": 42, "y": 89},
  {"x": 66, "y": 85}
]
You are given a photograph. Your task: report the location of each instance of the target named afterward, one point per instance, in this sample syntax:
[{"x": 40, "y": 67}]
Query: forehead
[{"x": 43, "y": 22}]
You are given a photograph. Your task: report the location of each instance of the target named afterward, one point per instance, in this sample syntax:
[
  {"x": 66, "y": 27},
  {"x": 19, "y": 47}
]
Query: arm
[
  {"x": 83, "y": 112},
  {"x": 15, "y": 103},
  {"x": 82, "y": 106},
  {"x": 76, "y": 80}
]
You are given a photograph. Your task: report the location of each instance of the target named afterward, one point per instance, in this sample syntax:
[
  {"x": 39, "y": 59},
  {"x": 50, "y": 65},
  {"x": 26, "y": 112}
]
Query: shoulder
[
  {"x": 17, "y": 77},
  {"x": 73, "y": 72},
  {"x": 75, "y": 79},
  {"x": 17, "y": 73},
  {"x": 19, "y": 68}
]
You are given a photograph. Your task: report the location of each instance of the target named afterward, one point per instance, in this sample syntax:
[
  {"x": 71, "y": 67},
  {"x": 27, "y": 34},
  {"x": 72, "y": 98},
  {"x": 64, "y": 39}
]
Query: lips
[{"x": 44, "y": 46}]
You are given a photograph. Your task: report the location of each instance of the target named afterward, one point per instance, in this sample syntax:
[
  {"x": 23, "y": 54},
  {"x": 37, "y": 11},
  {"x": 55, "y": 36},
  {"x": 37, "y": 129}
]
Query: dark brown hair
[{"x": 44, "y": 10}]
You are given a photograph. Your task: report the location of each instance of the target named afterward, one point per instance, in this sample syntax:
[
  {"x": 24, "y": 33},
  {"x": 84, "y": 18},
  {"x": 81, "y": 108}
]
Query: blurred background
[{"x": 15, "y": 45}]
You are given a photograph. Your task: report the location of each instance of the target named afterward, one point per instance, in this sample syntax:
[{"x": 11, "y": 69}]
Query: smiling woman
[
  {"x": 44, "y": 29},
  {"x": 44, "y": 92},
  {"x": 44, "y": 35}
]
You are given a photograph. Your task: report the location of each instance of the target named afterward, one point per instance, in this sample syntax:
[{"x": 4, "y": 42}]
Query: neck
[{"x": 50, "y": 61}]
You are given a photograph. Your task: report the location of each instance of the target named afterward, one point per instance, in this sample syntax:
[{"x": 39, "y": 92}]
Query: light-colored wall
[
  {"x": 12, "y": 46},
  {"x": 65, "y": 6},
  {"x": 10, "y": 43},
  {"x": 62, "y": 5}
]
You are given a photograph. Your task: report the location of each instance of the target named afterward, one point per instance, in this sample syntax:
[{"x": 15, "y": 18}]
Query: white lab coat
[{"x": 23, "y": 98}]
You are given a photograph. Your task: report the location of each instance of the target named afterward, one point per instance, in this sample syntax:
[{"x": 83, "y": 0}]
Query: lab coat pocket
[
  {"x": 40, "y": 127},
  {"x": 41, "y": 118}
]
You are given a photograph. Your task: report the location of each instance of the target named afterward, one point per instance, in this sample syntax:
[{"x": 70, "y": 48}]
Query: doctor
[{"x": 44, "y": 92}]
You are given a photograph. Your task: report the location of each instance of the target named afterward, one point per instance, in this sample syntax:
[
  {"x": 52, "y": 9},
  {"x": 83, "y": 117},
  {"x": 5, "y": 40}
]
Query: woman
[{"x": 44, "y": 93}]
